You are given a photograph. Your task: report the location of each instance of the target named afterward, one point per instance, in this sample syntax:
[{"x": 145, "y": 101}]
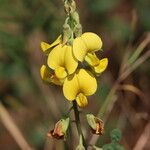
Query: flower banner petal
[
  {"x": 56, "y": 57},
  {"x": 79, "y": 49},
  {"x": 70, "y": 62},
  {"x": 92, "y": 41}
]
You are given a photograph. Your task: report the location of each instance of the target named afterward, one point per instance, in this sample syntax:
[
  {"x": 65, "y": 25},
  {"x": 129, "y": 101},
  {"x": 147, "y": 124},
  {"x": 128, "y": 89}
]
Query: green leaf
[{"x": 115, "y": 135}]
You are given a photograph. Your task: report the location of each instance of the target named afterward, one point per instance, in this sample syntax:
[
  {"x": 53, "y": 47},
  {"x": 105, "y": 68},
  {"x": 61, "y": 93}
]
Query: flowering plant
[{"x": 72, "y": 63}]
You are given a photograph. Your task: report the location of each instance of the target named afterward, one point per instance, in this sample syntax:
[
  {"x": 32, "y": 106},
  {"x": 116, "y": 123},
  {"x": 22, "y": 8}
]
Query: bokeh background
[{"x": 35, "y": 106}]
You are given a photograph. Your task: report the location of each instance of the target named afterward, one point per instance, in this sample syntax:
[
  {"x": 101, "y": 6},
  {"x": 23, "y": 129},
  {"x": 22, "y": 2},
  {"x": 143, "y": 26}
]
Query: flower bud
[
  {"x": 96, "y": 124},
  {"x": 59, "y": 131},
  {"x": 67, "y": 32},
  {"x": 73, "y": 6},
  {"x": 75, "y": 17},
  {"x": 66, "y": 7},
  {"x": 78, "y": 30}
]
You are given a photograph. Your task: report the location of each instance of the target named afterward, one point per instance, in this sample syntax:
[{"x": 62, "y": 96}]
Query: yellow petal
[
  {"x": 48, "y": 77},
  {"x": 103, "y": 63},
  {"x": 92, "y": 41},
  {"x": 45, "y": 46},
  {"x": 71, "y": 87},
  {"x": 87, "y": 82},
  {"x": 56, "y": 57},
  {"x": 57, "y": 41},
  {"x": 62, "y": 56},
  {"x": 92, "y": 59},
  {"x": 56, "y": 81},
  {"x": 70, "y": 62},
  {"x": 60, "y": 72},
  {"x": 44, "y": 72},
  {"x": 81, "y": 100},
  {"x": 79, "y": 49}
]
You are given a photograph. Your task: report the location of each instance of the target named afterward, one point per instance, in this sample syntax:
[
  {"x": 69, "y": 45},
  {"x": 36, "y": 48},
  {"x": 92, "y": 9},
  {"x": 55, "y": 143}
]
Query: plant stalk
[{"x": 78, "y": 123}]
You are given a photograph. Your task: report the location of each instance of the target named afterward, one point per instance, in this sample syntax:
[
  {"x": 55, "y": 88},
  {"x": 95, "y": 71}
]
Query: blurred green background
[{"x": 35, "y": 106}]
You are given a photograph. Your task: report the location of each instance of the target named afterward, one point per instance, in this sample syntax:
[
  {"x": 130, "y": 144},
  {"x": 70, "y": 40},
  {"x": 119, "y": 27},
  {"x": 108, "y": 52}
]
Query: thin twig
[
  {"x": 143, "y": 138},
  {"x": 135, "y": 65},
  {"x": 135, "y": 90},
  {"x": 10, "y": 125},
  {"x": 139, "y": 50}
]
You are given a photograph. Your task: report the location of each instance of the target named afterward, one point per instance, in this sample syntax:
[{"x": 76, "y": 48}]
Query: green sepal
[
  {"x": 65, "y": 124},
  {"x": 91, "y": 121}
]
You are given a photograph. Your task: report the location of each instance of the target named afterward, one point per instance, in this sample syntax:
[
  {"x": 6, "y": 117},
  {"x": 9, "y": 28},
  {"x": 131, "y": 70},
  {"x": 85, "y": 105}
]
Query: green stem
[
  {"x": 139, "y": 50},
  {"x": 77, "y": 121}
]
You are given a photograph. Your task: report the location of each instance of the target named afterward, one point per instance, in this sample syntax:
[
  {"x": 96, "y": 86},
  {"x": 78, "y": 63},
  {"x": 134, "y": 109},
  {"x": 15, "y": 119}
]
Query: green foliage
[
  {"x": 101, "y": 6},
  {"x": 115, "y": 138},
  {"x": 143, "y": 12},
  {"x": 119, "y": 29},
  {"x": 96, "y": 148},
  {"x": 103, "y": 91},
  {"x": 114, "y": 145}
]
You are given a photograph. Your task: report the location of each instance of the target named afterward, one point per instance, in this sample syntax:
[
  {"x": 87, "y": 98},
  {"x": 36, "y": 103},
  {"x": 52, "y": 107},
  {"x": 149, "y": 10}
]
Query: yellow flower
[
  {"x": 97, "y": 65},
  {"x": 78, "y": 86},
  {"x": 87, "y": 43},
  {"x": 46, "y": 47},
  {"x": 62, "y": 61},
  {"x": 47, "y": 76}
]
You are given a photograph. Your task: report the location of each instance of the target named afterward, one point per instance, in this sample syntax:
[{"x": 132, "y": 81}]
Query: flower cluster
[{"x": 73, "y": 66}]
